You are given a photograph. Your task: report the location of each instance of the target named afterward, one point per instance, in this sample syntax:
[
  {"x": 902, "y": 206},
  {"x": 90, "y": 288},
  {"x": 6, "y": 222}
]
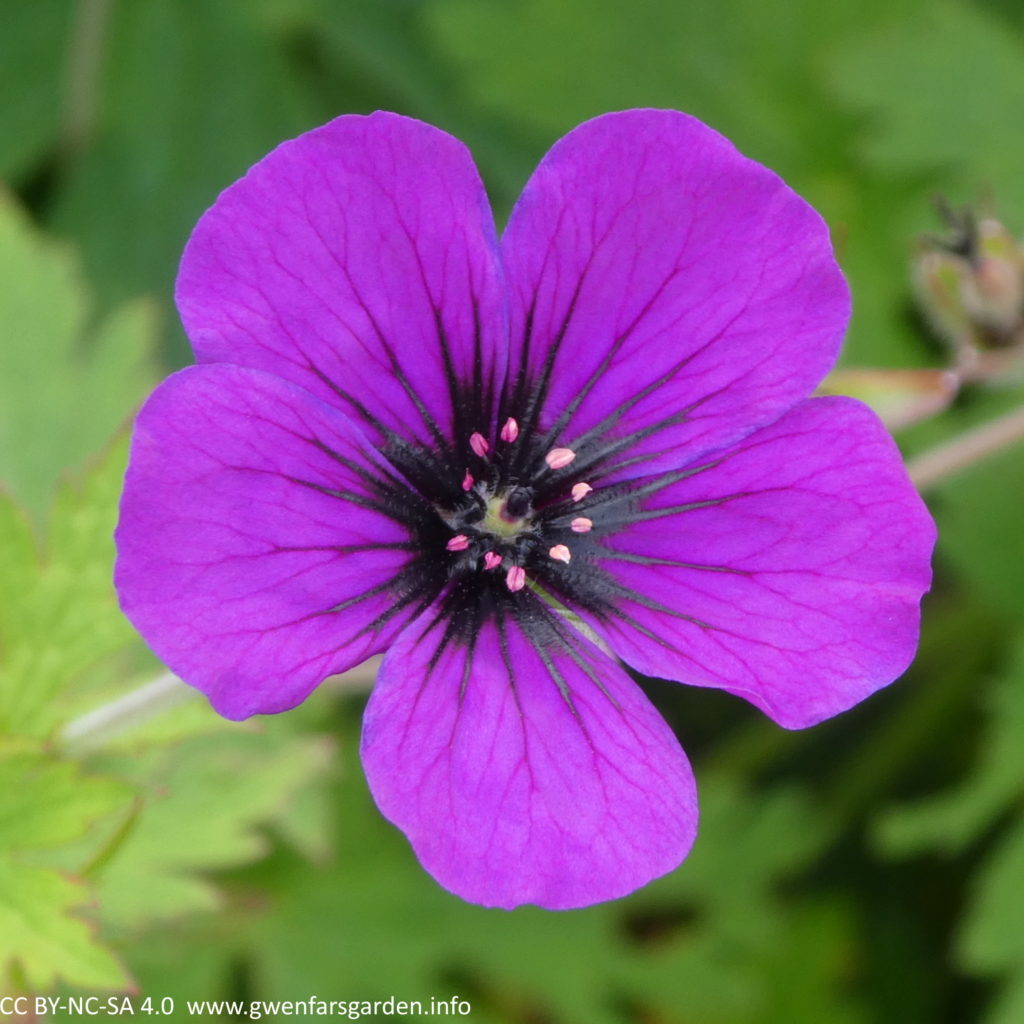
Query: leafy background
[{"x": 871, "y": 869}]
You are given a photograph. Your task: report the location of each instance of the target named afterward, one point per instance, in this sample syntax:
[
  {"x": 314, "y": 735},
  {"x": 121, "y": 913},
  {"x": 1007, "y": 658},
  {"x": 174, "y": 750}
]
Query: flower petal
[
  {"x": 787, "y": 570},
  {"x": 358, "y": 261},
  {"x": 668, "y": 294},
  {"x": 526, "y": 767},
  {"x": 253, "y": 554}
]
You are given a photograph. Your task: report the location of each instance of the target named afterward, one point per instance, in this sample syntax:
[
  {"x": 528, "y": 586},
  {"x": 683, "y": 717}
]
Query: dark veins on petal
[{"x": 504, "y": 516}]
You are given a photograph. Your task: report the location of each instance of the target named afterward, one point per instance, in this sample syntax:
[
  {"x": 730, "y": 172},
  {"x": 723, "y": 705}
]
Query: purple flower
[{"x": 510, "y": 464}]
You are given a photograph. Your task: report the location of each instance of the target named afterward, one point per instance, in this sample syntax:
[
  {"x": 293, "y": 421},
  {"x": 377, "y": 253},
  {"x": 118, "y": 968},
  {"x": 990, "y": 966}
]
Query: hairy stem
[
  {"x": 94, "y": 728},
  {"x": 972, "y": 446}
]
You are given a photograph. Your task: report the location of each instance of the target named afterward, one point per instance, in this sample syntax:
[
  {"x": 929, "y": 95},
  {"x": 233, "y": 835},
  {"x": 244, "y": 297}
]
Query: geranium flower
[{"x": 511, "y": 464}]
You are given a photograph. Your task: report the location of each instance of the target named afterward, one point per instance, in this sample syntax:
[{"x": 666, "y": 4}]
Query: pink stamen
[
  {"x": 467, "y": 481},
  {"x": 560, "y": 553},
  {"x": 458, "y": 543},
  {"x": 581, "y": 524},
  {"x": 515, "y": 579},
  {"x": 559, "y": 458},
  {"x": 479, "y": 444},
  {"x": 580, "y": 491},
  {"x": 510, "y": 431},
  {"x": 492, "y": 560}
]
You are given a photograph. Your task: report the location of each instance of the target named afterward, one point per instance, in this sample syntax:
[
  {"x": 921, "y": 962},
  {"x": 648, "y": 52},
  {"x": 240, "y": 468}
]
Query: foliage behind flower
[{"x": 403, "y": 435}]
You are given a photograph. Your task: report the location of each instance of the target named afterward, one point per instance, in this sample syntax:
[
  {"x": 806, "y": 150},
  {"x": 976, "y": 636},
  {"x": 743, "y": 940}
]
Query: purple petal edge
[
  {"x": 239, "y": 558},
  {"x": 788, "y": 570},
  {"x": 358, "y": 261},
  {"x": 526, "y": 775},
  {"x": 657, "y": 274}
]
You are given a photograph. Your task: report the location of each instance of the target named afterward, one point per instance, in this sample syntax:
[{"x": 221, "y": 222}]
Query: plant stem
[
  {"x": 95, "y": 727},
  {"x": 82, "y": 73},
  {"x": 951, "y": 457}
]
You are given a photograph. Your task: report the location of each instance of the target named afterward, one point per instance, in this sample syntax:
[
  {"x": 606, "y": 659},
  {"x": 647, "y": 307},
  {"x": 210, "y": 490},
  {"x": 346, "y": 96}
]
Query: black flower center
[{"x": 498, "y": 521}]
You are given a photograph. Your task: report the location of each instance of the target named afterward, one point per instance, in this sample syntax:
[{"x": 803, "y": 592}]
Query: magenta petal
[
  {"x": 358, "y": 261},
  {"x": 524, "y": 774},
  {"x": 787, "y": 570},
  {"x": 669, "y": 294},
  {"x": 251, "y": 551}
]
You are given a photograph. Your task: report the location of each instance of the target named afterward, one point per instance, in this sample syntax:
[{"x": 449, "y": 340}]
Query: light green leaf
[
  {"x": 207, "y": 802},
  {"x": 40, "y": 937},
  {"x": 44, "y": 804},
  {"x": 64, "y": 387},
  {"x": 58, "y": 611}
]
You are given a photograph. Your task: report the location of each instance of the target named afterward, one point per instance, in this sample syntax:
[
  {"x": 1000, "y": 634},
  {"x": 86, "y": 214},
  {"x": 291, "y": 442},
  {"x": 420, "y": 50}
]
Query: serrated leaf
[
  {"x": 45, "y": 802},
  {"x": 207, "y": 800},
  {"x": 58, "y": 610},
  {"x": 41, "y": 937},
  {"x": 64, "y": 387}
]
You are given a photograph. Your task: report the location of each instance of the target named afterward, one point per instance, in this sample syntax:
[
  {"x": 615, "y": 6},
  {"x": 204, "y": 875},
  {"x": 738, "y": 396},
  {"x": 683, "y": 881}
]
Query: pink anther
[
  {"x": 515, "y": 579},
  {"x": 559, "y": 458}
]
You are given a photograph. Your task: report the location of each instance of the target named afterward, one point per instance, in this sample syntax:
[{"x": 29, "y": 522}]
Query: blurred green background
[{"x": 868, "y": 870}]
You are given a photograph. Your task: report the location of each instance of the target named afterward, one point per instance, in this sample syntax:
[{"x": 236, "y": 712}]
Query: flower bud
[{"x": 970, "y": 285}]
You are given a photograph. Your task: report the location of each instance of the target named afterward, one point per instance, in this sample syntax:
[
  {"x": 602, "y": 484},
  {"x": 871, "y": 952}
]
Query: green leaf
[
  {"x": 943, "y": 88},
  {"x": 992, "y": 939},
  {"x": 64, "y": 387},
  {"x": 953, "y": 819},
  {"x": 978, "y": 512},
  {"x": 756, "y": 75},
  {"x": 206, "y": 802},
  {"x": 190, "y": 96},
  {"x": 33, "y": 47},
  {"x": 58, "y": 611},
  {"x": 699, "y": 945},
  {"x": 44, "y": 804},
  {"x": 40, "y": 937}
]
